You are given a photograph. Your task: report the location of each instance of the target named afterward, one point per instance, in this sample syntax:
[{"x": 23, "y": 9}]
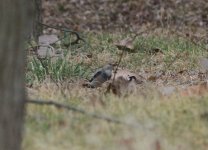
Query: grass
[
  {"x": 166, "y": 122},
  {"x": 60, "y": 70}
]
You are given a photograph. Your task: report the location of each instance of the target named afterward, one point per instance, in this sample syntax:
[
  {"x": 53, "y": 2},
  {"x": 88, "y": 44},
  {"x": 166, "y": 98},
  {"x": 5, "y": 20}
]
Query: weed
[{"x": 173, "y": 122}]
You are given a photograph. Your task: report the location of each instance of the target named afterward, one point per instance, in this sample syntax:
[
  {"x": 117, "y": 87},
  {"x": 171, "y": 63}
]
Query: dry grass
[{"x": 163, "y": 122}]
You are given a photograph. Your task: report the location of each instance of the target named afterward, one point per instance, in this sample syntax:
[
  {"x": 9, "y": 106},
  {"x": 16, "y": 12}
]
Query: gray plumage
[{"x": 101, "y": 76}]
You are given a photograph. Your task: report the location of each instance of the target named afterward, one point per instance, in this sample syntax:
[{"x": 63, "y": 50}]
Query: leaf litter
[
  {"x": 184, "y": 82},
  {"x": 127, "y": 82}
]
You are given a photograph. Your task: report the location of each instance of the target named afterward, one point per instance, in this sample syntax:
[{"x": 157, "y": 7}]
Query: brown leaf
[
  {"x": 126, "y": 45},
  {"x": 89, "y": 55},
  {"x": 124, "y": 83},
  {"x": 196, "y": 90},
  {"x": 152, "y": 78},
  {"x": 182, "y": 71},
  {"x": 126, "y": 74},
  {"x": 156, "y": 76},
  {"x": 157, "y": 145},
  {"x": 154, "y": 51}
]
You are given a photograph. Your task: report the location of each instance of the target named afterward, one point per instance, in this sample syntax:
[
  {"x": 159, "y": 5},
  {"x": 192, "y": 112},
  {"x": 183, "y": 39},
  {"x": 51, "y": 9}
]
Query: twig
[
  {"x": 82, "y": 111},
  {"x": 141, "y": 32},
  {"x": 114, "y": 76},
  {"x": 65, "y": 30},
  {"x": 120, "y": 58}
]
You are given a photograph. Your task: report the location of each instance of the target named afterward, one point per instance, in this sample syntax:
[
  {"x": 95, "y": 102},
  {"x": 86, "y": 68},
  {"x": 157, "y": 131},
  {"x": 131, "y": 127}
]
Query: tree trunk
[
  {"x": 14, "y": 16},
  {"x": 37, "y": 28}
]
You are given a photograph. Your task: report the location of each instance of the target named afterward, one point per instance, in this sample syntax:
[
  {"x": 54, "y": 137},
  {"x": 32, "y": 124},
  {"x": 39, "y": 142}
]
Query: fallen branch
[
  {"x": 82, "y": 111},
  {"x": 64, "y": 29}
]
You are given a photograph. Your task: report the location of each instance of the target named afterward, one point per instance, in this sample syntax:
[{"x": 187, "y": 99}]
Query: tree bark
[
  {"x": 37, "y": 28},
  {"x": 14, "y": 16}
]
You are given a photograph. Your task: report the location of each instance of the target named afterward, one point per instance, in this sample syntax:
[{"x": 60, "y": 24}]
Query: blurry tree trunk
[
  {"x": 14, "y": 16},
  {"x": 37, "y": 28}
]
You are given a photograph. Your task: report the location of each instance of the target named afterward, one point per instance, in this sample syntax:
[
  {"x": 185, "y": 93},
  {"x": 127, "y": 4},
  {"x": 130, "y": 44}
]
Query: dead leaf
[
  {"x": 196, "y": 90},
  {"x": 126, "y": 74},
  {"x": 157, "y": 145},
  {"x": 123, "y": 87},
  {"x": 154, "y": 51},
  {"x": 45, "y": 51},
  {"x": 204, "y": 116},
  {"x": 47, "y": 39},
  {"x": 152, "y": 78},
  {"x": 156, "y": 76},
  {"x": 126, "y": 45},
  {"x": 182, "y": 71},
  {"x": 124, "y": 83},
  {"x": 89, "y": 55}
]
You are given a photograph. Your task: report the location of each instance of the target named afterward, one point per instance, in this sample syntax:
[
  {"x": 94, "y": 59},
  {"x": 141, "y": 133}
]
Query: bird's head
[{"x": 108, "y": 67}]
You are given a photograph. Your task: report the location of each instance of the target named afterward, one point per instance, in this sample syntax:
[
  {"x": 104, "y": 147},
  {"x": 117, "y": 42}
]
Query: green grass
[
  {"x": 59, "y": 71},
  {"x": 167, "y": 122}
]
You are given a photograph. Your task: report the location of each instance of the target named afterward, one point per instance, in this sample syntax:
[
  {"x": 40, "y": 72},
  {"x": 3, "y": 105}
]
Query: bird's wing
[
  {"x": 107, "y": 75},
  {"x": 96, "y": 74}
]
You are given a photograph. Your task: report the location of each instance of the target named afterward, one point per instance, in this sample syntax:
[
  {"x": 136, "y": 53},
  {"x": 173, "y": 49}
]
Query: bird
[{"x": 100, "y": 76}]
